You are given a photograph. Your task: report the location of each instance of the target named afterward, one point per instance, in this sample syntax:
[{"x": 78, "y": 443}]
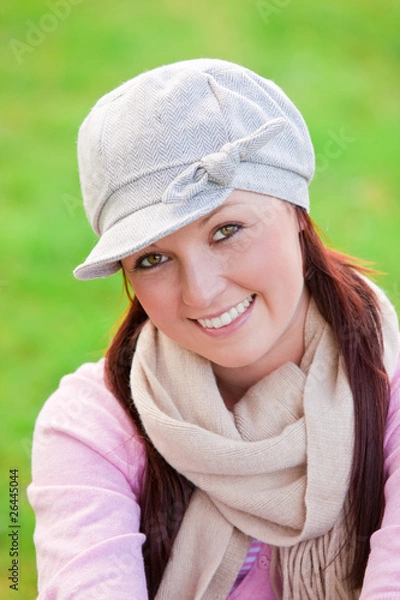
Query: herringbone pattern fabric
[{"x": 171, "y": 144}]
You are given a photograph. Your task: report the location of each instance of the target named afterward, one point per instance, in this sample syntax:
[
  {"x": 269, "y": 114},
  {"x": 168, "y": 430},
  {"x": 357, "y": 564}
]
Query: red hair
[{"x": 350, "y": 307}]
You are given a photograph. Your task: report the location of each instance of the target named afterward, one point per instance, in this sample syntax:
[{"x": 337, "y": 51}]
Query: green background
[{"x": 338, "y": 61}]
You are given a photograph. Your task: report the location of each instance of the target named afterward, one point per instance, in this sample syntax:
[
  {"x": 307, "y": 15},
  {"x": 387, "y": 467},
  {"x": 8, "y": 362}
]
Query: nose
[{"x": 201, "y": 283}]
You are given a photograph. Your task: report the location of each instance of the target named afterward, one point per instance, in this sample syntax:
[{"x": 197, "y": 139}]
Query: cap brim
[{"x": 144, "y": 227}]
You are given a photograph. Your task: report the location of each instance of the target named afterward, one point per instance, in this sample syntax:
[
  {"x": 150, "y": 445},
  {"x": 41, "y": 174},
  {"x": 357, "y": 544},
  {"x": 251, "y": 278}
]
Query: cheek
[
  {"x": 275, "y": 264},
  {"x": 158, "y": 300}
]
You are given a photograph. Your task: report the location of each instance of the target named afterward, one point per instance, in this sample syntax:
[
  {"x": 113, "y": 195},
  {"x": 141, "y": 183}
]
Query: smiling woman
[
  {"x": 229, "y": 288},
  {"x": 237, "y": 439}
]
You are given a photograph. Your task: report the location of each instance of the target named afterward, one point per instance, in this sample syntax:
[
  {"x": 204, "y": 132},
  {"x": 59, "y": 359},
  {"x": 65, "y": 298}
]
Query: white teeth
[
  {"x": 234, "y": 313},
  {"x": 227, "y": 317},
  {"x": 216, "y": 322},
  {"x": 241, "y": 308}
]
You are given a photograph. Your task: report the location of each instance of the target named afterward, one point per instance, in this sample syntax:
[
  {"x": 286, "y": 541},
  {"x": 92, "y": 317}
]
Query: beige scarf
[{"x": 275, "y": 469}]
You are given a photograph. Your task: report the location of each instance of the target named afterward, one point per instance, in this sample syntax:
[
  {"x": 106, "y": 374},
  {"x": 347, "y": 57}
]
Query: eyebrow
[
  {"x": 209, "y": 216},
  {"x": 203, "y": 221}
]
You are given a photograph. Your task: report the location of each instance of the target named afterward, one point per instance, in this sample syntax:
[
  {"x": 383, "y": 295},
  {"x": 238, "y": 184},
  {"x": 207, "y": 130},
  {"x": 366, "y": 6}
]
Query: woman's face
[{"x": 228, "y": 286}]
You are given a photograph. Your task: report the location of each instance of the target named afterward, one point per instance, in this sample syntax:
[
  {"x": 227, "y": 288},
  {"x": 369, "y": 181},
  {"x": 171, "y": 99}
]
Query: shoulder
[
  {"x": 393, "y": 418},
  {"x": 87, "y": 474},
  {"x": 82, "y": 391},
  {"x": 395, "y": 383},
  {"x": 83, "y": 413},
  {"x": 395, "y": 392}
]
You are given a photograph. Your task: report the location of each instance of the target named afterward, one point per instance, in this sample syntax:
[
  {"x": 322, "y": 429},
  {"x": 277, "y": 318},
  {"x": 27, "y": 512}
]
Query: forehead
[
  {"x": 240, "y": 205},
  {"x": 246, "y": 200}
]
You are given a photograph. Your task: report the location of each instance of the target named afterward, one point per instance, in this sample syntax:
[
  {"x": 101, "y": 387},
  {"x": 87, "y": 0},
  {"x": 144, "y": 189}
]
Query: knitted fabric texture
[
  {"x": 170, "y": 145},
  {"x": 276, "y": 468}
]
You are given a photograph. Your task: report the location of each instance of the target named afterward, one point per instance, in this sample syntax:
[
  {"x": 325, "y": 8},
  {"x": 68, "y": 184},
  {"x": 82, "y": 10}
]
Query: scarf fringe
[{"x": 314, "y": 569}]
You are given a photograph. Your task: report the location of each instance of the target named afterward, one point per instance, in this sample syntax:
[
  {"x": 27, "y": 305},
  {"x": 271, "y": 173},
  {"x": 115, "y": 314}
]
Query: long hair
[{"x": 350, "y": 307}]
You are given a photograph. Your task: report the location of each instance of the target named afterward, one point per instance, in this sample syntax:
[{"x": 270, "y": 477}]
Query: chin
[{"x": 234, "y": 362}]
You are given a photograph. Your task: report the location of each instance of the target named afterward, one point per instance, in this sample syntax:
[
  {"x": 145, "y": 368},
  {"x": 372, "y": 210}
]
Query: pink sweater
[{"x": 87, "y": 475}]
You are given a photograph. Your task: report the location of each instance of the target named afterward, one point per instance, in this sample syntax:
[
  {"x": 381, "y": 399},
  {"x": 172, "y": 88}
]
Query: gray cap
[{"x": 170, "y": 145}]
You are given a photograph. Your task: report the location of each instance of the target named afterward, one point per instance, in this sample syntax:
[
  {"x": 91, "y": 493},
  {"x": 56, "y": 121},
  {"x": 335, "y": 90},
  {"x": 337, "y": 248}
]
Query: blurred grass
[{"x": 339, "y": 62}]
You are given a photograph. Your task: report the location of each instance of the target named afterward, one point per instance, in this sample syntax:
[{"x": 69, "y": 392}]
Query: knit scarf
[{"x": 276, "y": 468}]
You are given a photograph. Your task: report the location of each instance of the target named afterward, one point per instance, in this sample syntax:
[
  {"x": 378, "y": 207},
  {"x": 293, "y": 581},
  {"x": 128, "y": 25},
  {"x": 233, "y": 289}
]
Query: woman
[{"x": 244, "y": 425}]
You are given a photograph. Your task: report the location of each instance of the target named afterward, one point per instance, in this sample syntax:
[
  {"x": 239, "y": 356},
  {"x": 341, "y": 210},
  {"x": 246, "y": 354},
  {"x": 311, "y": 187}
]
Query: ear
[
  {"x": 127, "y": 285},
  {"x": 301, "y": 218}
]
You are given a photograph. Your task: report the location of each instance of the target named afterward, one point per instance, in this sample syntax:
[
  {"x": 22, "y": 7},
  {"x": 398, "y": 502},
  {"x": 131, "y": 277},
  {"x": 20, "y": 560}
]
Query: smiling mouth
[{"x": 227, "y": 317}]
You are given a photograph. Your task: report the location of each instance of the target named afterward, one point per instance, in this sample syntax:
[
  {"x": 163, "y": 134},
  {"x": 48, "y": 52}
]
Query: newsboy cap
[{"x": 171, "y": 144}]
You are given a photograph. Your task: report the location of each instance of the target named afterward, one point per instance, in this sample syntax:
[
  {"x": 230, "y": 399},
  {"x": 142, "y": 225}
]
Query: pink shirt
[{"x": 87, "y": 475}]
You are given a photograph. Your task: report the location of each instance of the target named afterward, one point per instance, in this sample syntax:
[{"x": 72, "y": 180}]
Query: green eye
[
  {"x": 225, "y": 231},
  {"x": 151, "y": 260}
]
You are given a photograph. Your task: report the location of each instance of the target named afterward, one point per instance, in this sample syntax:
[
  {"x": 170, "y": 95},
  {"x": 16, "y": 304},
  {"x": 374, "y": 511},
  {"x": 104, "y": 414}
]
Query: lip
[
  {"x": 215, "y": 315},
  {"x": 227, "y": 329},
  {"x": 218, "y": 314}
]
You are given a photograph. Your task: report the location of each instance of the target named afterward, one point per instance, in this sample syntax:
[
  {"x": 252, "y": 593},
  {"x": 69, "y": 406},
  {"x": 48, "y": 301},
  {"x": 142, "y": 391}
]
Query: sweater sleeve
[
  {"x": 87, "y": 469},
  {"x": 382, "y": 576}
]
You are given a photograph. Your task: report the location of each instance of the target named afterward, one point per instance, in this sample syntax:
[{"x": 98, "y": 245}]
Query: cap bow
[{"x": 220, "y": 167}]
